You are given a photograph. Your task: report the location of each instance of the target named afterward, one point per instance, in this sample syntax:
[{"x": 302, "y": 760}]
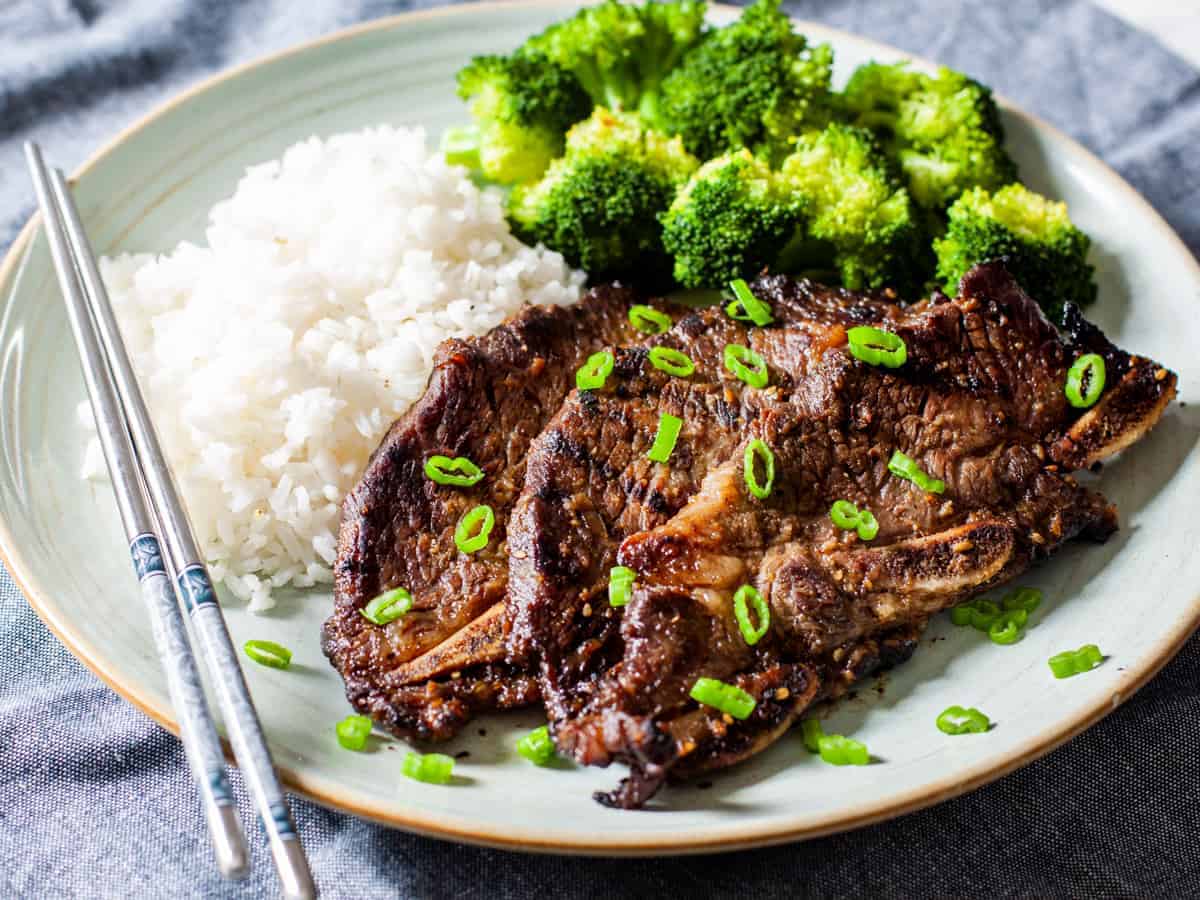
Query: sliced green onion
[
  {"x": 388, "y": 606},
  {"x": 745, "y": 597},
  {"x": 443, "y": 469},
  {"x": 474, "y": 529},
  {"x": 1025, "y": 598},
  {"x": 757, "y": 450},
  {"x": 728, "y": 698},
  {"x": 847, "y": 516},
  {"x": 1008, "y": 626},
  {"x": 1075, "y": 662},
  {"x": 620, "y": 585},
  {"x": 672, "y": 362},
  {"x": 268, "y": 653},
  {"x": 842, "y": 751},
  {"x": 648, "y": 320},
  {"x": 1085, "y": 381},
  {"x": 537, "y": 747},
  {"x": 877, "y": 347},
  {"x": 961, "y": 614},
  {"x": 983, "y": 614},
  {"x": 956, "y": 720},
  {"x": 904, "y": 466},
  {"x": 747, "y": 307},
  {"x": 868, "y": 525},
  {"x": 811, "y": 733},
  {"x": 593, "y": 373},
  {"x": 431, "y": 768},
  {"x": 353, "y": 731},
  {"x": 844, "y": 514},
  {"x": 747, "y": 365},
  {"x": 665, "y": 438}
]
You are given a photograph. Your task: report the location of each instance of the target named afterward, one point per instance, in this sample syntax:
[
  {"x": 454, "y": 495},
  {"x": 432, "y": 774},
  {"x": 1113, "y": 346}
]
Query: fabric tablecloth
[{"x": 95, "y": 799}]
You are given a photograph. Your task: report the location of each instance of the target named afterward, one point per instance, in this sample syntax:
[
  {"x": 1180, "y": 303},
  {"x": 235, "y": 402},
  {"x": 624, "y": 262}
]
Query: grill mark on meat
[{"x": 979, "y": 399}]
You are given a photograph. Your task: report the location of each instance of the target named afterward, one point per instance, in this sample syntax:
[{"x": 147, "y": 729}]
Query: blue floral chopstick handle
[
  {"x": 196, "y": 728},
  {"x": 242, "y": 723}
]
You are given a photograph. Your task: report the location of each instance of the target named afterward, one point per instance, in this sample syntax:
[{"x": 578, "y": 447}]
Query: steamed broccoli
[
  {"x": 943, "y": 130},
  {"x": 1040, "y": 246},
  {"x": 729, "y": 221},
  {"x": 754, "y": 83},
  {"x": 522, "y": 106},
  {"x": 598, "y": 204},
  {"x": 620, "y": 52},
  {"x": 862, "y": 222}
]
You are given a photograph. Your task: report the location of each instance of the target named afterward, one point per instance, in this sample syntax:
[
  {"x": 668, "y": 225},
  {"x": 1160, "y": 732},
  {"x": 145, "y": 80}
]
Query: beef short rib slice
[
  {"x": 426, "y": 673},
  {"x": 979, "y": 404},
  {"x": 589, "y": 483}
]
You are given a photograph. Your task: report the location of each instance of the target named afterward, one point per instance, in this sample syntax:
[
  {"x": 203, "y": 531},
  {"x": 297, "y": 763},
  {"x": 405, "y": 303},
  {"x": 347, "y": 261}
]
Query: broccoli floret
[
  {"x": 522, "y": 106},
  {"x": 598, "y": 204},
  {"x": 730, "y": 220},
  {"x": 754, "y": 83},
  {"x": 943, "y": 130},
  {"x": 620, "y": 52},
  {"x": 1040, "y": 246},
  {"x": 862, "y": 222}
]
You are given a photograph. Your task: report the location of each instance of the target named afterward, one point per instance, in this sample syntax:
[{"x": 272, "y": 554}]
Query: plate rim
[{"x": 453, "y": 827}]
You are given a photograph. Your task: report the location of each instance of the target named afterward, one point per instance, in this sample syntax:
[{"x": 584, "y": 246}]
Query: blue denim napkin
[{"x": 95, "y": 799}]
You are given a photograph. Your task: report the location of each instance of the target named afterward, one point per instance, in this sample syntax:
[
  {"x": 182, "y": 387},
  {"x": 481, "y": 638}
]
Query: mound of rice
[{"x": 275, "y": 358}]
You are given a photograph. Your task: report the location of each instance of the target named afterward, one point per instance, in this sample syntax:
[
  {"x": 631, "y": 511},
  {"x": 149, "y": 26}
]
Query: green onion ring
[
  {"x": 957, "y": 720},
  {"x": 593, "y": 373},
  {"x": 353, "y": 731},
  {"x": 877, "y": 347},
  {"x": 537, "y": 746},
  {"x": 745, "y": 597},
  {"x": 388, "y": 606},
  {"x": 466, "y": 537},
  {"x": 1025, "y": 598},
  {"x": 961, "y": 614},
  {"x": 648, "y": 320},
  {"x": 810, "y": 733},
  {"x": 747, "y": 365},
  {"x": 1075, "y": 662},
  {"x": 620, "y": 585},
  {"x": 672, "y": 362},
  {"x": 842, "y": 751},
  {"x": 442, "y": 469},
  {"x": 1008, "y": 627},
  {"x": 904, "y": 466},
  {"x": 664, "y": 440},
  {"x": 983, "y": 614},
  {"x": 847, "y": 516},
  {"x": 746, "y": 307},
  {"x": 728, "y": 698},
  {"x": 756, "y": 449},
  {"x": 1090, "y": 366},
  {"x": 269, "y": 654},
  {"x": 431, "y": 768}
]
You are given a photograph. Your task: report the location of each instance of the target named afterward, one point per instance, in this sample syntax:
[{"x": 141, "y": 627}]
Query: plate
[{"x": 1136, "y": 596}]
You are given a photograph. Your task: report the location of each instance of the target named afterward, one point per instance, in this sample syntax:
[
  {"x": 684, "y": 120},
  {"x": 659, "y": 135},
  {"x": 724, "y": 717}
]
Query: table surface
[{"x": 94, "y": 798}]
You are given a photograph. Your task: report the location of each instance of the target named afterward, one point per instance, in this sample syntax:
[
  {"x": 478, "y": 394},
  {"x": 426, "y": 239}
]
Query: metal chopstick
[
  {"x": 192, "y": 579},
  {"x": 196, "y": 727},
  {"x": 193, "y": 582}
]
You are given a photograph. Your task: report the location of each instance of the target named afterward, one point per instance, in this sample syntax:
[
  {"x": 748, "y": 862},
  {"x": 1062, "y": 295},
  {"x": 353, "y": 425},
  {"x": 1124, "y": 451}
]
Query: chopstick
[
  {"x": 196, "y": 728},
  {"x": 136, "y": 462}
]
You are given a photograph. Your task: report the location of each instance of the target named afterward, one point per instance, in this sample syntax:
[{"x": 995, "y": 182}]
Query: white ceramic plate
[{"x": 151, "y": 187}]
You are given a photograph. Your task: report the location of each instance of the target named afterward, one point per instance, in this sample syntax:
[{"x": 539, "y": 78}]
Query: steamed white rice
[{"x": 275, "y": 357}]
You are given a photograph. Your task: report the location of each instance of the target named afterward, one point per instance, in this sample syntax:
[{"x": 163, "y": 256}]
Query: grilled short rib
[
  {"x": 426, "y": 673},
  {"x": 979, "y": 404}
]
